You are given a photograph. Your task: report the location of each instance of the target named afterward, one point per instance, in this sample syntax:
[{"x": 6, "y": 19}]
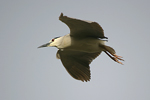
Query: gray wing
[
  {"x": 81, "y": 28},
  {"x": 77, "y": 63}
]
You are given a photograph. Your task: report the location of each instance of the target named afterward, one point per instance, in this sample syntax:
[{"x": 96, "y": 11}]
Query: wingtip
[{"x": 61, "y": 15}]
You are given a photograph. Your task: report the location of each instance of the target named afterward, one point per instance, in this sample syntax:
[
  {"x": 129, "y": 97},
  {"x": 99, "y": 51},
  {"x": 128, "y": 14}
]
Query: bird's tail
[{"x": 110, "y": 49}]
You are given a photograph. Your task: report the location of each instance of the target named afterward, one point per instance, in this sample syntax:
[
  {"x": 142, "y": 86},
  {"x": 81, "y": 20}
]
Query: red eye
[{"x": 52, "y": 40}]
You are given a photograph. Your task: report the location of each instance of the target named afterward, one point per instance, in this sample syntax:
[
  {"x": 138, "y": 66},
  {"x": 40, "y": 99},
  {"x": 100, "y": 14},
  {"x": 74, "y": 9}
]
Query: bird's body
[
  {"x": 88, "y": 44},
  {"x": 78, "y": 48}
]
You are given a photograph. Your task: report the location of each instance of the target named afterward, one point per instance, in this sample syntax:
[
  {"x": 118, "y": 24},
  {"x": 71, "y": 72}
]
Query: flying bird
[{"x": 83, "y": 44}]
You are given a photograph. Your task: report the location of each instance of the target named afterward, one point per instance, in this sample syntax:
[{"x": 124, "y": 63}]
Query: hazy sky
[{"x": 28, "y": 73}]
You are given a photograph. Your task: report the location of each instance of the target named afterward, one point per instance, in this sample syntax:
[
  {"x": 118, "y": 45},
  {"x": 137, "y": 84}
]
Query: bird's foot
[
  {"x": 117, "y": 60},
  {"x": 115, "y": 57},
  {"x": 118, "y": 57}
]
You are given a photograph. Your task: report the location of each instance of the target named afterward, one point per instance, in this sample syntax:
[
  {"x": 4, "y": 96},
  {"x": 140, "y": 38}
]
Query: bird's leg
[
  {"x": 111, "y": 54},
  {"x": 118, "y": 57},
  {"x": 113, "y": 58}
]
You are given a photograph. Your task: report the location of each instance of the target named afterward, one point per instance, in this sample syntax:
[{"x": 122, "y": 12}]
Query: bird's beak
[{"x": 44, "y": 45}]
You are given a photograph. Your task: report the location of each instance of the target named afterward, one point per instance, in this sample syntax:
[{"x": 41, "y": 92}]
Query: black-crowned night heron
[{"x": 81, "y": 46}]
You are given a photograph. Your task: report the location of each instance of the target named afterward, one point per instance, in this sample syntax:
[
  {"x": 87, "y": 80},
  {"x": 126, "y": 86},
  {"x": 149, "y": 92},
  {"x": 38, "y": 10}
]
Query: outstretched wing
[
  {"x": 81, "y": 28},
  {"x": 77, "y": 63}
]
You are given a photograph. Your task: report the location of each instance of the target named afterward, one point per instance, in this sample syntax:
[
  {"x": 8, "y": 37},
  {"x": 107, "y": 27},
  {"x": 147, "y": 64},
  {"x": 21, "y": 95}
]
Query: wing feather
[
  {"x": 77, "y": 63},
  {"x": 80, "y": 28}
]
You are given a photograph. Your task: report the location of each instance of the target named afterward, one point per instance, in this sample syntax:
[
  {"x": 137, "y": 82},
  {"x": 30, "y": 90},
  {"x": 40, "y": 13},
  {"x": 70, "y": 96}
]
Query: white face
[{"x": 54, "y": 42}]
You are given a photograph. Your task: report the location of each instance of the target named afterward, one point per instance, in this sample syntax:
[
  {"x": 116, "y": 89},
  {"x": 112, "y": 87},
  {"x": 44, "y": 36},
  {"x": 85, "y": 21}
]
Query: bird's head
[{"x": 52, "y": 43}]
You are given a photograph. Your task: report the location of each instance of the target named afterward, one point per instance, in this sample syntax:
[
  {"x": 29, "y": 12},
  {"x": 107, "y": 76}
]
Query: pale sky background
[{"x": 28, "y": 73}]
